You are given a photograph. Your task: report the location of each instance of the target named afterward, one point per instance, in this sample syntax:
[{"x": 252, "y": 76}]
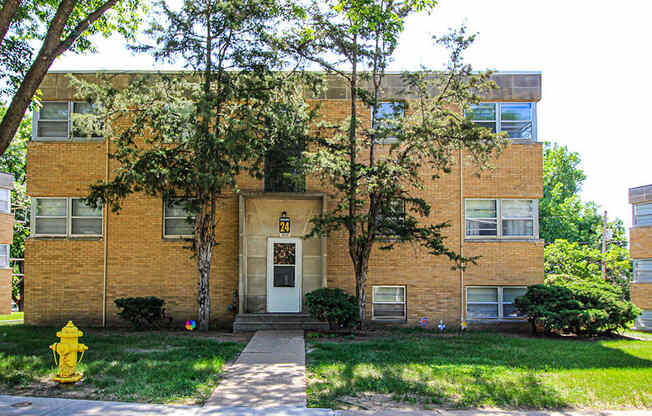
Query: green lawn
[
  {"x": 484, "y": 369},
  {"x": 12, "y": 316},
  {"x": 145, "y": 368}
]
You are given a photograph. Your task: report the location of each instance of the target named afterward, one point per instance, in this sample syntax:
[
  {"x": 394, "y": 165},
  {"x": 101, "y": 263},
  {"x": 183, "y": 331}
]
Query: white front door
[{"x": 284, "y": 275}]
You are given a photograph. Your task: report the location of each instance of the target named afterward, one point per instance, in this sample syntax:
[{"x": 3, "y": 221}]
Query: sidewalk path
[{"x": 270, "y": 372}]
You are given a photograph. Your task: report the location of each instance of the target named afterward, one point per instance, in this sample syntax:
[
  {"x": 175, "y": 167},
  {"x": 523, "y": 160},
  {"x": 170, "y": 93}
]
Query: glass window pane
[
  {"x": 510, "y": 311},
  {"x": 53, "y": 111},
  {"x": 285, "y": 253},
  {"x": 645, "y": 320},
  {"x": 480, "y": 208},
  {"x": 477, "y": 311},
  {"x": 481, "y": 227},
  {"x": 483, "y": 111},
  {"x": 82, "y": 108},
  {"x": 4, "y": 256},
  {"x": 511, "y": 293},
  {"x": 643, "y": 209},
  {"x": 177, "y": 208},
  {"x": 389, "y": 294},
  {"x": 86, "y": 226},
  {"x": 643, "y": 271},
  {"x": 51, "y": 207},
  {"x": 52, "y": 129},
  {"x": 490, "y": 126},
  {"x": 51, "y": 226},
  {"x": 643, "y": 214},
  {"x": 284, "y": 276},
  {"x": 178, "y": 226},
  {"x": 80, "y": 209},
  {"x": 518, "y": 228},
  {"x": 5, "y": 200},
  {"x": 390, "y": 110},
  {"x": 516, "y": 111},
  {"x": 517, "y": 208},
  {"x": 517, "y": 129},
  {"x": 482, "y": 294},
  {"x": 389, "y": 311}
]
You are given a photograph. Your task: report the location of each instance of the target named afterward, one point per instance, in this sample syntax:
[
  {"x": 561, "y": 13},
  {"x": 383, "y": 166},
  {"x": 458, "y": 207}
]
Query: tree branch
[
  {"x": 83, "y": 26},
  {"x": 6, "y": 15}
]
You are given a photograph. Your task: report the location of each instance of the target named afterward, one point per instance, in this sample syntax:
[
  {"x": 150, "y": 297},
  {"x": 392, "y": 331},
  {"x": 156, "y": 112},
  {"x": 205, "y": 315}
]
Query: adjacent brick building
[
  {"x": 79, "y": 260},
  {"x": 6, "y": 238},
  {"x": 640, "y": 250}
]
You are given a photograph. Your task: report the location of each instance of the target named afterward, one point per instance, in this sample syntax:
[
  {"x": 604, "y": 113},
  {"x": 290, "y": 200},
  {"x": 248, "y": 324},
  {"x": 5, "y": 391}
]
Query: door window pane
[
  {"x": 284, "y": 276},
  {"x": 284, "y": 253}
]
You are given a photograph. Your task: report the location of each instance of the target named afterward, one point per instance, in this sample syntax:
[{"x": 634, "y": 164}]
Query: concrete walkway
[{"x": 270, "y": 372}]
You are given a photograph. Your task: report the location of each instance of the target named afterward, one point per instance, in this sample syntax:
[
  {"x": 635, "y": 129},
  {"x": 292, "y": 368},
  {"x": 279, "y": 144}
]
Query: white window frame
[
  {"x": 8, "y": 201},
  {"x": 387, "y": 140},
  {"x": 68, "y": 217},
  {"x": 646, "y": 314},
  {"x": 69, "y": 136},
  {"x": 635, "y": 221},
  {"x": 7, "y": 264},
  {"x": 173, "y": 236},
  {"x": 636, "y": 271},
  {"x": 499, "y": 221},
  {"x": 500, "y": 302},
  {"x": 373, "y": 302},
  {"x": 498, "y": 120}
]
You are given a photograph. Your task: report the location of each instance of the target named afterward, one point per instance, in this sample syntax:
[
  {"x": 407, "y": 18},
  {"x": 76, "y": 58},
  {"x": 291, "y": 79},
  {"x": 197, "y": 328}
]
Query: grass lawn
[
  {"x": 482, "y": 369},
  {"x": 142, "y": 367},
  {"x": 12, "y": 316}
]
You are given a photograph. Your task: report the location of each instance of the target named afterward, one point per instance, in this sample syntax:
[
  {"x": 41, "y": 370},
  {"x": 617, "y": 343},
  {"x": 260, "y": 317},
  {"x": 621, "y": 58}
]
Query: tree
[
  {"x": 191, "y": 135},
  {"x": 60, "y": 26},
  {"x": 373, "y": 182},
  {"x": 14, "y": 161}
]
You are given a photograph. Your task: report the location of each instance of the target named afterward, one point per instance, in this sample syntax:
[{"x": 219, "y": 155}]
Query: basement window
[
  {"x": 178, "y": 220},
  {"x": 492, "y": 302},
  {"x": 388, "y": 303},
  {"x": 643, "y": 271},
  {"x": 4, "y": 256}
]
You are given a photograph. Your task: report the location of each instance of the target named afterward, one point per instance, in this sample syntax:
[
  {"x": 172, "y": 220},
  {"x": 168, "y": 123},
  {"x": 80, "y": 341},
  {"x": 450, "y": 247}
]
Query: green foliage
[
  {"x": 143, "y": 312},
  {"x": 334, "y": 306},
  {"x": 577, "y": 307}
]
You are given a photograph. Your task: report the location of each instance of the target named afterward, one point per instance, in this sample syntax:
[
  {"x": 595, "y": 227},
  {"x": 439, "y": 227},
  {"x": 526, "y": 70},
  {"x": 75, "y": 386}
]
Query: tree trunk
[
  {"x": 204, "y": 255},
  {"x": 361, "y": 269},
  {"x": 6, "y": 15}
]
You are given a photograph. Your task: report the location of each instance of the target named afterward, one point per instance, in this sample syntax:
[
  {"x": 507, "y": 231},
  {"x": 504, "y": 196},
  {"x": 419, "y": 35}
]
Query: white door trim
[{"x": 298, "y": 271}]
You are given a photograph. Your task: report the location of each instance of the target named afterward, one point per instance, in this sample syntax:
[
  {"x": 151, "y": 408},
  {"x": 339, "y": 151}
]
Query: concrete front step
[{"x": 276, "y": 321}]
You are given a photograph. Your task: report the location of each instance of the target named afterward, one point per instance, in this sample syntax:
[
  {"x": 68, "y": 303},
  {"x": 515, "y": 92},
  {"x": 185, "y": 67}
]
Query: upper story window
[
  {"x": 386, "y": 113},
  {"x": 56, "y": 121},
  {"x": 501, "y": 218},
  {"x": 642, "y": 214},
  {"x": 643, "y": 271},
  {"x": 5, "y": 201},
  {"x": 4, "y": 256},
  {"x": 517, "y": 119},
  {"x": 391, "y": 218},
  {"x": 282, "y": 167},
  {"x": 178, "y": 219},
  {"x": 65, "y": 217}
]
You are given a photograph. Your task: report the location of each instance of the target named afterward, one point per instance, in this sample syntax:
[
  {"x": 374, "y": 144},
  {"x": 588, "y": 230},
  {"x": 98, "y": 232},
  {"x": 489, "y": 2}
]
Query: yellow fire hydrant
[{"x": 67, "y": 350}]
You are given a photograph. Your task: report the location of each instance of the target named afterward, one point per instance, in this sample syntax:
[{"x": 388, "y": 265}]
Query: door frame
[{"x": 297, "y": 264}]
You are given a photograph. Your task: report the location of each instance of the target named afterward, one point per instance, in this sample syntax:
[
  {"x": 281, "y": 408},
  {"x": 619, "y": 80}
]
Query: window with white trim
[
  {"x": 493, "y": 302},
  {"x": 65, "y": 217},
  {"x": 388, "y": 114},
  {"x": 5, "y": 201},
  {"x": 391, "y": 219},
  {"x": 644, "y": 321},
  {"x": 642, "y": 214},
  {"x": 4, "y": 256},
  {"x": 388, "y": 303},
  {"x": 57, "y": 120},
  {"x": 643, "y": 271},
  {"x": 517, "y": 119},
  {"x": 501, "y": 218},
  {"x": 177, "y": 222}
]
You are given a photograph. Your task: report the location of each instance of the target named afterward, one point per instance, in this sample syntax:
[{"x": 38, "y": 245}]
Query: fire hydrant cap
[{"x": 70, "y": 330}]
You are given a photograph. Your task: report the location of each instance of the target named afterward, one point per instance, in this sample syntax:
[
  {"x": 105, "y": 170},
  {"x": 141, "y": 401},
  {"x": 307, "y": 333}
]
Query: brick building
[
  {"x": 640, "y": 250},
  {"x": 79, "y": 260},
  {"x": 6, "y": 238}
]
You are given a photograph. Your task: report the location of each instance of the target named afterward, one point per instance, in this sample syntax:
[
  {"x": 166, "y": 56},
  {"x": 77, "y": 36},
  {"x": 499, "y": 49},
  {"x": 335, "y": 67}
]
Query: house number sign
[{"x": 284, "y": 224}]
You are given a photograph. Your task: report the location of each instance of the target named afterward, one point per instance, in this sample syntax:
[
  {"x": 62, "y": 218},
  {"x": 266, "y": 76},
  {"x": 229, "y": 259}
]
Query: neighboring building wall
[
  {"x": 640, "y": 250},
  {"x": 6, "y": 238},
  {"x": 66, "y": 276}
]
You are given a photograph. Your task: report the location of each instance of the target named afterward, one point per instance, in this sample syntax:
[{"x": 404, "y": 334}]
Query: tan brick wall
[
  {"x": 642, "y": 295},
  {"x": 6, "y": 228},
  {"x": 640, "y": 242},
  {"x": 5, "y": 291}
]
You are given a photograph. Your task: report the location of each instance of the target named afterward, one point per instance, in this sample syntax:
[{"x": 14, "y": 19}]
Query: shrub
[
  {"x": 334, "y": 306},
  {"x": 143, "y": 313},
  {"x": 576, "y": 306}
]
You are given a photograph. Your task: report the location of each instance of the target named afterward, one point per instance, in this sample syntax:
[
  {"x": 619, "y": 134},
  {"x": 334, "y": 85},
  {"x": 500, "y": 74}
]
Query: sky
[{"x": 593, "y": 56}]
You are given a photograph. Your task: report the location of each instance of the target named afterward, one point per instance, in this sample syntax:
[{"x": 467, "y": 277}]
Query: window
[
  {"x": 517, "y": 119},
  {"x": 4, "y": 256},
  {"x": 492, "y": 302},
  {"x": 65, "y": 217},
  {"x": 391, "y": 219},
  {"x": 643, "y": 214},
  {"x": 283, "y": 166},
  {"x": 387, "y": 115},
  {"x": 388, "y": 303},
  {"x": 5, "y": 201},
  {"x": 54, "y": 121},
  {"x": 176, "y": 219},
  {"x": 643, "y": 271},
  {"x": 501, "y": 218},
  {"x": 644, "y": 321}
]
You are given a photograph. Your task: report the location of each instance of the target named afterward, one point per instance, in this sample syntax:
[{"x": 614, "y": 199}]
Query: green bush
[
  {"x": 577, "y": 307},
  {"x": 143, "y": 313},
  {"x": 334, "y": 306}
]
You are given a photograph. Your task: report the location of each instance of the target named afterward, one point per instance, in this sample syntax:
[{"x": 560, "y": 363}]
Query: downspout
[
  {"x": 462, "y": 308},
  {"x": 106, "y": 239}
]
